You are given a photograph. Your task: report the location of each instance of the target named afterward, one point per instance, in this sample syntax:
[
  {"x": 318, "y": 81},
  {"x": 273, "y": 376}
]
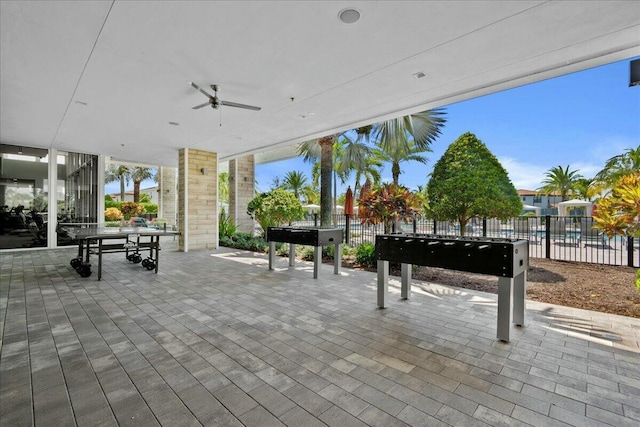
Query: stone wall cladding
[
  {"x": 199, "y": 201},
  {"x": 242, "y": 191}
]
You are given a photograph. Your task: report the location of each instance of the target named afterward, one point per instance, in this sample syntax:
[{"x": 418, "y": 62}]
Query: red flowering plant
[{"x": 387, "y": 205}]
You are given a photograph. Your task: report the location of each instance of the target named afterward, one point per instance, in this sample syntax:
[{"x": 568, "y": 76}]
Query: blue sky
[{"x": 581, "y": 120}]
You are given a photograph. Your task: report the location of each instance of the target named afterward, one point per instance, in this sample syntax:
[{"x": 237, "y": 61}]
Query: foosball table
[
  {"x": 506, "y": 258},
  {"x": 312, "y": 236}
]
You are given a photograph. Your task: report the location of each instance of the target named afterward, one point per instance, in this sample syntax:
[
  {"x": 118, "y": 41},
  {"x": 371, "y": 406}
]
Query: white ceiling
[{"x": 129, "y": 62}]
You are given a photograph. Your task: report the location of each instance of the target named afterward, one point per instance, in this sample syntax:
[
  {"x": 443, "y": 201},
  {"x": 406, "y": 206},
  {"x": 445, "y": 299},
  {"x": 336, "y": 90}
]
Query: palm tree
[
  {"x": 560, "y": 181},
  {"x": 294, "y": 181},
  {"x": 139, "y": 174},
  {"x": 422, "y": 128},
  {"x": 584, "y": 188},
  {"x": 619, "y": 166},
  {"x": 349, "y": 154},
  {"x": 395, "y": 154},
  {"x": 119, "y": 173}
]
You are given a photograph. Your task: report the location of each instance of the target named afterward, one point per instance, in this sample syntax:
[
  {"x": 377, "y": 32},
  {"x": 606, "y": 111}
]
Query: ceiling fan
[{"x": 215, "y": 102}]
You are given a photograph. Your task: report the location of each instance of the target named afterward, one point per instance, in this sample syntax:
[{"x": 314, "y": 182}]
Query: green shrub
[
  {"x": 282, "y": 249},
  {"x": 348, "y": 250},
  {"x": 307, "y": 253},
  {"x": 244, "y": 241},
  {"x": 112, "y": 204},
  {"x": 328, "y": 251},
  {"x": 149, "y": 207},
  {"x": 366, "y": 254},
  {"x": 274, "y": 208}
]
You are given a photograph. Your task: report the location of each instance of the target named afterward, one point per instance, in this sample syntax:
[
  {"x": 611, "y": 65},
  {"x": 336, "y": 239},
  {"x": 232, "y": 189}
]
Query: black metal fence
[{"x": 560, "y": 238}]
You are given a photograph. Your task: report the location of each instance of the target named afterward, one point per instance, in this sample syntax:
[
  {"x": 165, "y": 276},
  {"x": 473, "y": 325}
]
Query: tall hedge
[{"x": 468, "y": 181}]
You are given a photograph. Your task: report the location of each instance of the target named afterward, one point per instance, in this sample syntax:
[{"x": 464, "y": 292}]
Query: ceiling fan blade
[
  {"x": 196, "y": 87},
  {"x": 201, "y": 105},
  {"x": 245, "y": 106}
]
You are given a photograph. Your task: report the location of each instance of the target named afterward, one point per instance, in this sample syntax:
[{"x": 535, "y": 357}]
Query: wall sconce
[{"x": 204, "y": 171}]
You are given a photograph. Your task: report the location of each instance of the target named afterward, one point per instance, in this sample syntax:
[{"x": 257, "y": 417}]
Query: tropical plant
[
  {"x": 113, "y": 214},
  {"x": 120, "y": 173},
  {"x": 559, "y": 181},
  {"x": 223, "y": 187},
  {"x": 294, "y": 181},
  {"x": 619, "y": 166},
  {"x": 145, "y": 198},
  {"x": 584, "y": 188},
  {"x": 338, "y": 154},
  {"x": 619, "y": 212},
  {"x": 366, "y": 254},
  {"x": 131, "y": 209},
  {"x": 310, "y": 194},
  {"x": 139, "y": 174},
  {"x": 387, "y": 205},
  {"x": 395, "y": 154},
  {"x": 468, "y": 181},
  {"x": 274, "y": 208},
  {"x": 226, "y": 226},
  {"x": 421, "y": 128}
]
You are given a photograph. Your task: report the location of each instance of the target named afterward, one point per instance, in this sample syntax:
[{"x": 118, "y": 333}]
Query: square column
[
  {"x": 241, "y": 191},
  {"x": 197, "y": 199},
  {"x": 167, "y": 195}
]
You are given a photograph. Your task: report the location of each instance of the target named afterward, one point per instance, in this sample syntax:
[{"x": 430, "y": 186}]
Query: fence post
[
  {"x": 315, "y": 219},
  {"x": 547, "y": 236},
  {"x": 435, "y": 229},
  {"x": 347, "y": 228},
  {"x": 415, "y": 226},
  {"x": 630, "y": 251},
  {"x": 484, "y": 227}
]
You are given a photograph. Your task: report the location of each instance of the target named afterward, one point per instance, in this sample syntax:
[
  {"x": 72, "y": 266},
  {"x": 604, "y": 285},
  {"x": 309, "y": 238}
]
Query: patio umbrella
[{"x": 348, "y": 202}]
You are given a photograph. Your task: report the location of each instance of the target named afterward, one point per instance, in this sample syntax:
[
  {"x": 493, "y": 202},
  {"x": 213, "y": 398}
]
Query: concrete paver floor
[{"x": 216, "y": 339}]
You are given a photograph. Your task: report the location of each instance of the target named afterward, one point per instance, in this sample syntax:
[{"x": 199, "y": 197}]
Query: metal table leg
[
  {"x": 272, "y": 254},
  {"x": 405, "y": 273},
  {"x": 383, "y": 282},
  {"x": 505, "y": 303},
  {"x": 292, "y": 254},
  {"x": 337, "y": 258},
  {"x": 317, "y": 261},
  {"x": 519, "y": 298},
  {"x": 99, "y": 259}
]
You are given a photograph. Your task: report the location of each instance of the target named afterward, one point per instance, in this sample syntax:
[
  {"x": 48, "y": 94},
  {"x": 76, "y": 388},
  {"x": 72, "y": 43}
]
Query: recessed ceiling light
[
  {"x": 349, "y": 15},
  {"x": 419, "y": 75},
  {"x": 174, "y": 123}
]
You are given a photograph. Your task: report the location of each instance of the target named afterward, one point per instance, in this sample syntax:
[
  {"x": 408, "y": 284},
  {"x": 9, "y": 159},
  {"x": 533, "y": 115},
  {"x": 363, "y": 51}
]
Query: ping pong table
[{"x": 98, "y": 240}]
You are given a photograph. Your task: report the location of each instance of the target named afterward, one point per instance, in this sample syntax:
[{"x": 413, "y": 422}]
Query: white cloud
[{"x": 524, "y": 175}]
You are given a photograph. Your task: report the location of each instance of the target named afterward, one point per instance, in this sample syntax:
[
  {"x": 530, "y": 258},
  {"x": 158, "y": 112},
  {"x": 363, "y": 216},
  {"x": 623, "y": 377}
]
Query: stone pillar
[
  {"x": 167, "y": 191},
  {"x": 197, "y": 199},
  {"x": 241, "y": 191}
]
